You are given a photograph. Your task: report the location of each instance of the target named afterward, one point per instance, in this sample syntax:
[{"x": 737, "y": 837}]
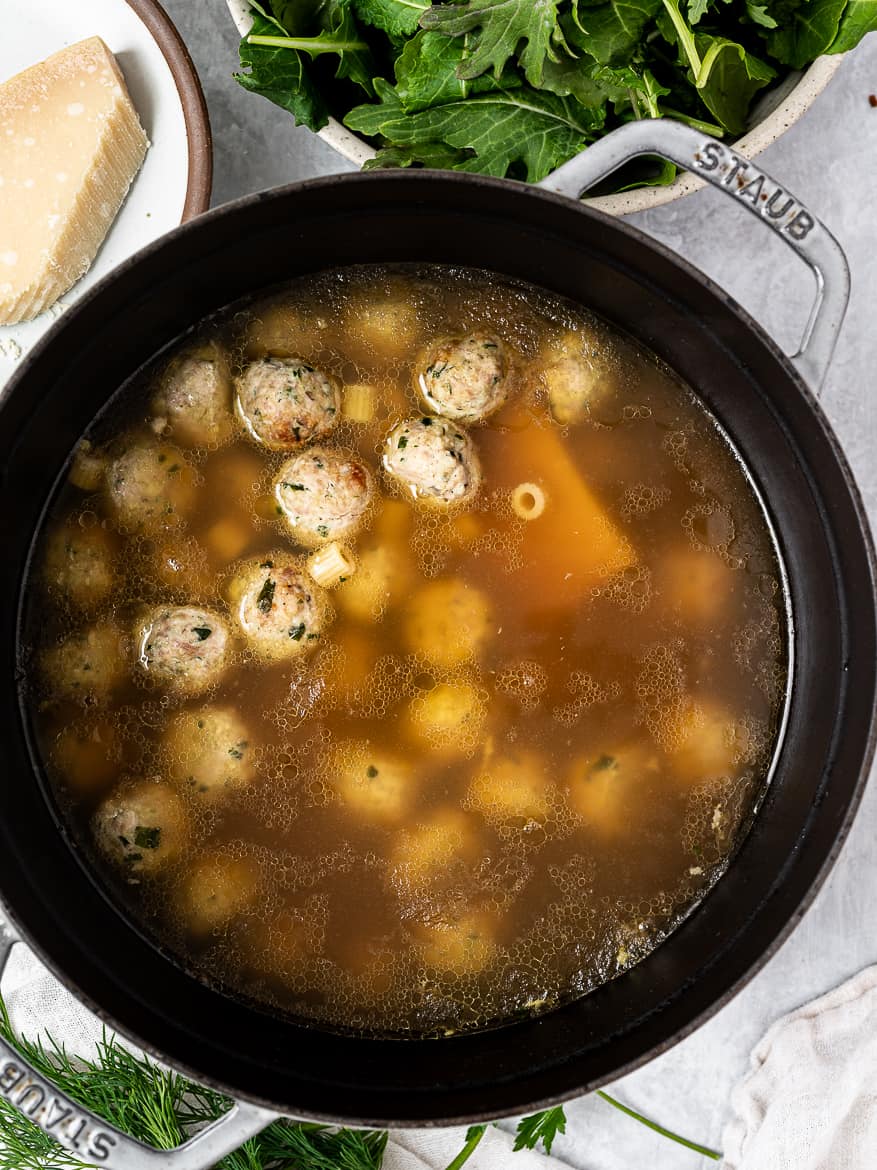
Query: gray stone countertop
[{"x": 829, "y": 159}]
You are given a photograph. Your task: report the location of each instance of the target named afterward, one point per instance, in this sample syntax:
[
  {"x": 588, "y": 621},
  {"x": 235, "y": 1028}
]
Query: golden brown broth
[{"x": 626, "y": 693}]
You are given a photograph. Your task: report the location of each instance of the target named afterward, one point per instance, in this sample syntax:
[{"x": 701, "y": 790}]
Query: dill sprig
[{"x": 163, "y": 1109}]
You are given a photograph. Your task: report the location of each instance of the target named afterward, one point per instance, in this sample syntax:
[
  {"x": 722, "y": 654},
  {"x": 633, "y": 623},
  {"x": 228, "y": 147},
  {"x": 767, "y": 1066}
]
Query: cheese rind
[{"x": 70, "y": 145}]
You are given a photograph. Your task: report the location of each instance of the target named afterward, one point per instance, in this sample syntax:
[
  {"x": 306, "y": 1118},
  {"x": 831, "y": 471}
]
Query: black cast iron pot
[{"x": 758, "y": 396}]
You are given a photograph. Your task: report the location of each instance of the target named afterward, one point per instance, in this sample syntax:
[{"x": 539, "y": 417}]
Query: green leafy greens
[{"x": 514, "y": 88}]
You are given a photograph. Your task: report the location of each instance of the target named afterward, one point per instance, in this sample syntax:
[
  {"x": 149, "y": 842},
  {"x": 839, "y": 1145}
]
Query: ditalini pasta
[
  {"x": 528, "y": 501},
  {"x": 405, "y": 651}
]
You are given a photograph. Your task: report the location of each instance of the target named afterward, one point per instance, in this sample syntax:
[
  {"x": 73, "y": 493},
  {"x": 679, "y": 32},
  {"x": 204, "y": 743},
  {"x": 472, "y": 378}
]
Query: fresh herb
[
  {"x": 514, "y": 88},
  {"x": 147, "y": 838},
  {"x": 293, "y": 487},
  {"x": 203, "y": 632},
  {"x": 403, "y": 442},
  {"x": 297, "y": 632},
  {"x": 667, "y": 1133},
  {"x": 371, "y": 771},
  {"x": 237, "y": 752},
  {"x": 266, "y": 596},
  {"x": 163, "y": 1109},
  {"x": 474, "y": 1134},
  {"x": 540, "y": 1127},
  {"x": 322, "y": 530}
]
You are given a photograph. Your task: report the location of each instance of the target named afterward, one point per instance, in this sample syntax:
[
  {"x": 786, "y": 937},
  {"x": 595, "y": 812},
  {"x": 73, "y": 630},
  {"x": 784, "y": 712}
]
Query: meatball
[
  {"x": 381, "y": 324},
  {"x": 79, "y": 563},
  {"x": 324, "y": 494},
  {"x": 458, "y": 945},
  {"x": 374, "y": 785},
  {"x": 447, "y": 621},
  {"x": 450, "y": 717},
  {"x": 195, "y": 398},
  {"x": 209, "y": 750},
  {"x": 382, "y": 575},
  {"x": 216, "y": 889},
  {"x": 141, "y": 827},
  {"x": 150, "y": 487},
  {"x": 87, "y": 665},
  {"x": 184, "y": 647},
  {"x": 423, "y": 854},
  {"x": 695, "y": 585},
  {"x": 434, "y": 460},
  {"x": 180, "y": 564},
  {"x": 464, "y": 378},
  {"x": 607, "y": 787},
  {"x": 284, "y": 402},
  {"x": 705, "y": 742},
  {"x": 582, "y": 375},
  {"x": 512, "y": 787},
  {"x": 88, "y": 467},
  {"x": 279, "y": 609}
]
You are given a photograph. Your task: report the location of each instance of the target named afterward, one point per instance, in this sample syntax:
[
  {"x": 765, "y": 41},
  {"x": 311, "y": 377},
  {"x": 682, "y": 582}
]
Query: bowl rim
[
  {"x": 793, "y": 105},
  {"x": 199, "y": 183}
]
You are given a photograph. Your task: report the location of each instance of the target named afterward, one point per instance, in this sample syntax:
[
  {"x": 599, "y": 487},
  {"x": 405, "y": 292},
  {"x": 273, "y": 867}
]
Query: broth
[{"x": 466, "y": 740}]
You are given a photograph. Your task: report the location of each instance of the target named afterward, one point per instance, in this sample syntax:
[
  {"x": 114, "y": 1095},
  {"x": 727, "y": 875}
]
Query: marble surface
[{"x": 830, "y": 160}]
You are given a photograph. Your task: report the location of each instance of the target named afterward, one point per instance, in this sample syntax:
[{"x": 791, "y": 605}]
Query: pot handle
[
  {"x": 95, "y": 1141},
  {"x": 720, "y": 165}
]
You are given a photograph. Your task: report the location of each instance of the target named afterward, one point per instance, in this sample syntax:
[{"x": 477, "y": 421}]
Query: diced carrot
[{"x": 574, "y": 544}]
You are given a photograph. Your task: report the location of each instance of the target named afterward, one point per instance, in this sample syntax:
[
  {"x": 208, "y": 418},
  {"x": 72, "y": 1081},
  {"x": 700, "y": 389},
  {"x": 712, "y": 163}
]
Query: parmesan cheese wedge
[{"x": 70, "y": 145}]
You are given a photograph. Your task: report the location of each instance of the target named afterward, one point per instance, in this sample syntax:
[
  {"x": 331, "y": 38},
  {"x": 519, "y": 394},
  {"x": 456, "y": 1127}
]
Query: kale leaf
[
  {"x": 514, "y": 88},
  {"x": 280, "y": 75},
  {"x": 397, "y": 18},
  {"x": 496, "y": 31},
  {"x": 274, "y": 52},
  {"x": 859, "y": 17},
  {"x": 427, "y": 73},
  {"x": 521, "y": 130},
  {"x": 611, "y": 32},
  {"x": 805, "y": 29}
]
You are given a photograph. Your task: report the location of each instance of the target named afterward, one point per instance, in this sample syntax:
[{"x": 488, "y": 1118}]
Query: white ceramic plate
[
  {"x": 774, "y": 114},
  {"x": 174, "y": 181}
]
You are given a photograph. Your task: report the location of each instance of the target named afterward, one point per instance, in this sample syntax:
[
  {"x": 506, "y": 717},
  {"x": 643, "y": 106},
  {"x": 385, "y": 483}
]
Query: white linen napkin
[
  {"x": 38, "y": 1003},
  {"x": 810, "y": 1101}
]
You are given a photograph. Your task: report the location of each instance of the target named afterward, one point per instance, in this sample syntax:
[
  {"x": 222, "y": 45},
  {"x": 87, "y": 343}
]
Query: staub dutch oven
[{"x": 763, "y": 401}]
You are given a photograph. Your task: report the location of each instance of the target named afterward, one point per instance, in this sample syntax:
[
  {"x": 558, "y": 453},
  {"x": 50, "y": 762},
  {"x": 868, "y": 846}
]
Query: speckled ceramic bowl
[{"x": 771, "y": 117}]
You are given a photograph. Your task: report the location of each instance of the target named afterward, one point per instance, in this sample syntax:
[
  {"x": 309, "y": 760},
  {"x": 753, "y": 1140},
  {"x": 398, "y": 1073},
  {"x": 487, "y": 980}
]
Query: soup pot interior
[{"x": 793, "y": 458}]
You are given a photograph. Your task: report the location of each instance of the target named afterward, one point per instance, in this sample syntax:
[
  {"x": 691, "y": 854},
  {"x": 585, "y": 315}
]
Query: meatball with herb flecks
[
  {"x": 150, "y": 487},
  {"x": 141, "y": 827},
  {"x": 194, "y": 397},
  {"x": 434, "y": 460},
  {"x": 216, "y": 889},
  {"x": 285, "y": 402},
  {"x": 182, "y": 647},
  {"x": 279, "y": 610},
  {"x": 87, "y": 665},
  {"x": 324, "y": 494},
  {"x": 210, "y": 751},
  {"x": 464, "y": 378},
  {"x": 79, "y": 563}
]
